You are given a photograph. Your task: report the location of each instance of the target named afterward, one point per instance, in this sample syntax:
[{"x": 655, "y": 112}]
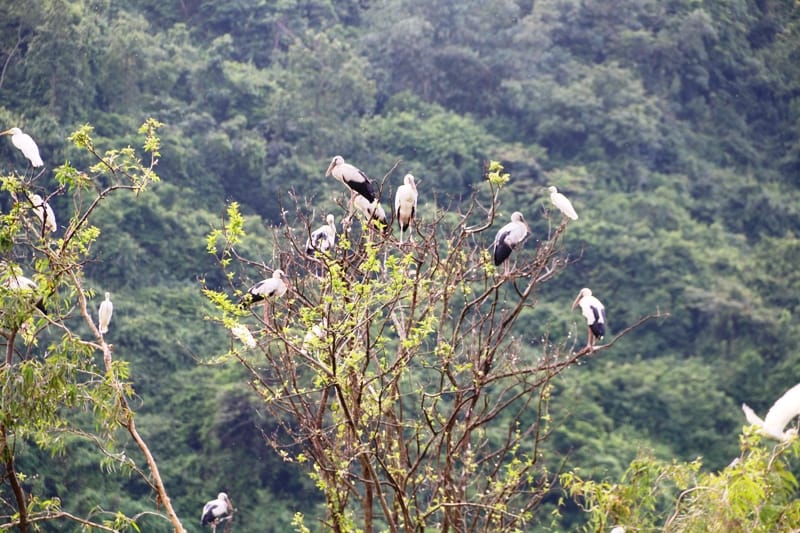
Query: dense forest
[{"x": 672, "y": 125}]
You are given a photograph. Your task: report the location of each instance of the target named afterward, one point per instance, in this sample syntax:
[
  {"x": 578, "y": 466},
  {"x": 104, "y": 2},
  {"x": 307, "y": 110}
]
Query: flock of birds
[{"x": 365, "y": 199}]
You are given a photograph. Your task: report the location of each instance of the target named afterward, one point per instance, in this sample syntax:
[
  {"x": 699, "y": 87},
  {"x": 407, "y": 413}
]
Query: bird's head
[
  {"x": 281, "y": 275},
  {"x": 581, "y": 295},
  {"x": 335, "y": 162},
  {"x": 330, "y": 220},
  {"x": 516, "y": 216},
  {"x": 552, "y": 190},
  {"x": 409, "y": 180},
  {"x": 11, "y": 131}
]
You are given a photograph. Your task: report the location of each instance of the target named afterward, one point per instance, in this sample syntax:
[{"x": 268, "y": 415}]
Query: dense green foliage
[{"x": 673, "y": 125}]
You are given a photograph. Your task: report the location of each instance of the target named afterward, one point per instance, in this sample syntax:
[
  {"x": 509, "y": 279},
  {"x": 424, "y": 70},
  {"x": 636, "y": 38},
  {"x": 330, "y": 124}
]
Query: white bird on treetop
[
  {"x": 405, "y": 203},
  {"x": 273, "y": 287},
  {"x": 373, "y": 211},
  {"x": 25, "y": 144},
  {"x": 509, "y": 237},
  {"x": 595, "y": 314},
  {"x": 355, "y": 179},
  {"x": 17, "y": 282},
  {"x": 104, "y": 314},
  {"x": 216, "y": 511},
  {"x": 322, "y": 238},
  {"x": 781, "y": 413},
  {"x": 44, "y": 212},
  {"x": 562, "y": 203}
]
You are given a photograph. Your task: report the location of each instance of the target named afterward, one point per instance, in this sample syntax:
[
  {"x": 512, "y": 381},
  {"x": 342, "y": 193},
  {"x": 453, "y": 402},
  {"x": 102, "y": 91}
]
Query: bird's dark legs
[{"x": 590, "y": 341}]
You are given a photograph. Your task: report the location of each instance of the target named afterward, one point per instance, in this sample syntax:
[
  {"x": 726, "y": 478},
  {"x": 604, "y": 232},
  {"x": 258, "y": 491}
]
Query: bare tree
[{"x": 397, "y": 372}]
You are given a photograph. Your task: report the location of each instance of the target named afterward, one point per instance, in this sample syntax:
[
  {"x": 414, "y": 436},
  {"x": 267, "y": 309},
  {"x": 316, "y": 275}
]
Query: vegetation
[{"x": 672, "y": 126}]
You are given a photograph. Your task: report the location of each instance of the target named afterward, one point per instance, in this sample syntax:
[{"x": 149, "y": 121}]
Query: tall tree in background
[{"x": 397, "y": 371}]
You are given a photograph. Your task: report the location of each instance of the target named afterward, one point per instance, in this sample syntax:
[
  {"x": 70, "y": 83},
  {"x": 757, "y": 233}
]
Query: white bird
[
  {"x": 317, "y": 331},
  {"x": 17, "y": 282},
  {"x": 273, "y": 287},
  {"x": 25, "y": 144},
  {"x": 405, "y": 203},
  {"x": 617, "y": 529},
  {"x": 323, "y": 238},
  {"x": 781, "y": 413},
  {"x": 562, "y": 203},
  {"x": 595, "y": 314},
  {"x": 104, "y": 314},
  {"x": 373, "y": 211},
  {"x": 44, "y": 212},
  {"x": 243, "y": 334},
  {"x": 358, "y": 182},
  {"x": 216, "y": 511},
  {"x": 509, "y": 237}
]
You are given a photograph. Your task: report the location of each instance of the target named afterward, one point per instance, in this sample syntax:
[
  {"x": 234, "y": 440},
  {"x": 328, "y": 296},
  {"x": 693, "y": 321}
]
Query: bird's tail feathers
[{"x": 751, "y": 416}]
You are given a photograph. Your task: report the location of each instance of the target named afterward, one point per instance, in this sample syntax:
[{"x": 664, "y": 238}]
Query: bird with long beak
[
  {"x": 595, "y": 314},
  {"x": 323, "y": 238},
  {"x": 508, "y": 238},
  {"x": 266, "y": 290},
  {"x": 217, "y": 511},
  {"x": 44, "y": 212},
  {"x": 25, "y": 144},
  {"x": 562, "y": 203},
  {"x": 405, "y": 203},
  {"x": 354, "y": 178}
]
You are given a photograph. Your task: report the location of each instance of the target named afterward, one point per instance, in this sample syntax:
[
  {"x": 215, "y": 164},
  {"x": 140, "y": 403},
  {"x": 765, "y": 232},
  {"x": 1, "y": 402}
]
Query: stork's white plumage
[
  {"x": 509, "y": 237},
  {"x": 104, "y": 314},
  {"x": 25, "y": 144},
  {"x": 17, "y": 282},
  {"x": 216, "y": 511},
  {"x": 372, "y": 211},
  {"x": 405, "y": 203},
  {"x": 317, "y": 331},
  {"x": 781, "y": 413},
  {"x": 562, "y": 203},
  {"x": 322, "y": 238},
  {"x": 44, "y": 212},
  {"x": 356, "y": 180},
  {"x": 273, "y": 287},
  {"x": 595, "y": 314}
]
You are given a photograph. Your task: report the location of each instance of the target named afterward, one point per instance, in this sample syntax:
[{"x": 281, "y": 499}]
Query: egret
[
  {"x": 44, "y": 212},
  {"x": 273, "y": 287},
  {"x": 509, "y": 237},
  {"x": 217, "y": 511},
  {"x": 781, "y": 413},
  {"x": 17, "y": 282},
  {"x": 562, "y": 203},
  {"x": 25, "y": 144},
  {"x": 595, "y": 314},
  {"x": 373, "y": 211},
  {"x": 358, "y": 182},
  {"x": 405, "y": 203},
  {"x": 104, "y": 314},
  {"x": 323, "y": 238}
]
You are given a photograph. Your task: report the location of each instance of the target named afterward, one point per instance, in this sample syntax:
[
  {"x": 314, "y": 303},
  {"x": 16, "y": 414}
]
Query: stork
[
  {"x": 25, "y": 144},
  {"x": 405, "y": 203},
  {"x": 217, "y": 511},
  {"x": 273, "y": 287},
  {"x": 17, "y": 282},
  {"x": 373, "y": 211},
  {"x": 353, "y": 177},
  {"x": 322, "y": 238},
  {"x": 562, "y": 203},
  {"x": 44, "y": 212},
  {"x": 781, "y": 413},
  {"x": 508, "y": 238},
  {"x": 104, "y": 314},
  {"x": 595, "y": 314}
]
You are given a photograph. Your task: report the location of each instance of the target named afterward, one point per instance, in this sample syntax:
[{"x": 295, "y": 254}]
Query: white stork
[
  {"x": 322, "y": 238},
  {"x": 217, "y": 511},
  {"x": 17, "y": 282},
  {"x": 104, "y": 314},
  {"x": 562, "y": 203},
  {"x": 509, "y": 237},
  {"x": 273, "y": 287},
  {"x": 781, "y": 413},
  {"x": 358, "y": 182},
  {"x": 373, "y": 211},
  {"x": 44, "y": 212},
  {"x": 405, "y": 203},
  {"x": 25, "y": 144},
  {"x": 595, "y": 314}
]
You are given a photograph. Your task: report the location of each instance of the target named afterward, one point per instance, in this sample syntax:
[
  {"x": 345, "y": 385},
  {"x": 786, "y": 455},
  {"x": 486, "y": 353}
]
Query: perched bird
[
  {"x": 373, "y": 211},
  {"x": 104, "y": 314},
  {"x": 273, "y": 287},
  {"x": 217, "y": 511},
  {"x": 781, "y": 413},
  {"x": 595, "y": 314},
  {"x": 25, "y": 144},
  {"x": 17, "y": 282},
  {"x": 323, "y": 238},
  {"x": 405, "y": 203},
  {"x": 562, "y": 203},
  {"x": 358, "y": 182},
  {"x": 317, "y": 331},
  {"x": 44, "y": 212},
  {"x": 243, "y": 334},
  {"x": 509, "y": 237}
]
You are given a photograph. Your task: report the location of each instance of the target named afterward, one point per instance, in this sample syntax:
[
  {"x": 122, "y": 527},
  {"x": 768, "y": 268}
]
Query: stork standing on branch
[
  {"x": 508, "y": 238},
  {"x": 354, "y": 178},
  {"x": 562, "y": 203},
  {"x": 405, "y": 204},
  {"x": 322, "y": 239},
  {"x": 595, "y": 314},
  {"x": 217, "y": 511}
]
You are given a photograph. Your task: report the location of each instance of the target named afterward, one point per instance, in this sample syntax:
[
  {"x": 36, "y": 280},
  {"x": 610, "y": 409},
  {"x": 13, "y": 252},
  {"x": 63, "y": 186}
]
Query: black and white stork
[
  {"x": 595, "y": 314},
  {"x": 322, "y": 239},
  {"x": 217, "y": 511},
  {"x": 355, "y": 179},
  {"x": 508, "y": 238}
]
